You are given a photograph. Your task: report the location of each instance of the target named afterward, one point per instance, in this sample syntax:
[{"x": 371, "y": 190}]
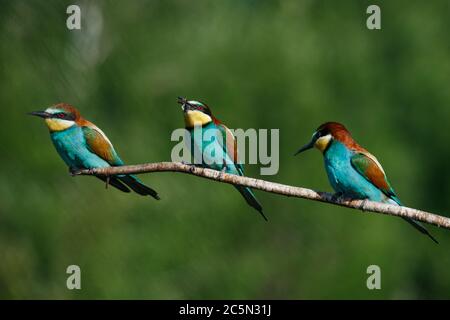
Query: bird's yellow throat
[
  {"x": 58, "y": 124},
  {"x": 322, "y": 142},
  {"x": 194, "y": 118}
]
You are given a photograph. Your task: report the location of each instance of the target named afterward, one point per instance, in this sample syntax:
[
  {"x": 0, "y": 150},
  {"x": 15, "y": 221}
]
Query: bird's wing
[
  {"x": 369, "y": 167},
  {"x": 99, "y": 144},
  {"x": 230, "y": 145}
]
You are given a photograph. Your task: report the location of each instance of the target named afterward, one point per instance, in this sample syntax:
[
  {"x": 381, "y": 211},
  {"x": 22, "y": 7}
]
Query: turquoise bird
[
  {"x": 215, "y": 136},
  {"x": 82, "y": 145},
  {"x": 352, "y": 171}
]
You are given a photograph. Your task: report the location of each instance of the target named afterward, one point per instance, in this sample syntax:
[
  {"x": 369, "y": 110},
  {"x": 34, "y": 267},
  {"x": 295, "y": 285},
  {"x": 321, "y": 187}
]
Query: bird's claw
[
  {"x": 337, "y": 197},
  {"x": 72, "y": 172},
  {"x": 362, "y": 206},
  {"x": 191, "y": 165},
  {"x": 222, "y": 171}
]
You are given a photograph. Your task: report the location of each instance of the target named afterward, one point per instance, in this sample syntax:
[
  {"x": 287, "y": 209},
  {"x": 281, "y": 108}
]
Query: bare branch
[{"x": 276, "y": 188}]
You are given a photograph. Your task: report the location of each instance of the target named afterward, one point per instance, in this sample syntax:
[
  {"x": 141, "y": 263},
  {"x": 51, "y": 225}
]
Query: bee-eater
[
  {"x": 353, "y": 172},
  {"x": 82, "y": 145},
  {"x": 198, "y": 114}
]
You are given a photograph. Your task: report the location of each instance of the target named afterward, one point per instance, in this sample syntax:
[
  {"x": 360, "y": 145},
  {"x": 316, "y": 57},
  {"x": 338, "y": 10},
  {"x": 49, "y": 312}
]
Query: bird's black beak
[
  {"x": 307, "y": 146},
  {"x": 41, "y": 114},
  {"x": 185, "y": 105},
  {"x": 183, "y": 102}
]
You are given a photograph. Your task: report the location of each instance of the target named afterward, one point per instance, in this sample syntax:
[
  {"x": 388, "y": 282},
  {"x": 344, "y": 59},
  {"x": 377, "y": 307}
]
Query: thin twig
[{"x": 276, "y": 188}]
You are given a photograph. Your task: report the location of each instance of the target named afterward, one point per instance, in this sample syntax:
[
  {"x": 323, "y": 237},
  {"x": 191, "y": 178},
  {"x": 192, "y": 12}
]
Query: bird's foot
[
  {"x": 222, "y": 171},
  {"x": 107, "y": 182},
  {"x": 362, "y": 206},
  {"x": 191, "y": 165},
  {"x": 72, "y": 172},
  {"x": 337, "y": 197}
]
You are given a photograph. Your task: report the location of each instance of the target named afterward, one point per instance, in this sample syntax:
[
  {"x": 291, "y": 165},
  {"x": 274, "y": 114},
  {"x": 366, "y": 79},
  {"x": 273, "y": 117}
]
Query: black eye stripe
[
  {"x": 198, "y": 107},
  {"x": 64, "y": 116}
]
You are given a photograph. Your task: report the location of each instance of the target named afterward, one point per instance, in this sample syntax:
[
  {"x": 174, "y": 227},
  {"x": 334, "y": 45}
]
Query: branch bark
[{"x": 272, "y": 187}]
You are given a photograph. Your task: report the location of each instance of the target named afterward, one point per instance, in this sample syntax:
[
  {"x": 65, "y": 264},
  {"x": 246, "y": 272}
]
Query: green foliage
[{"x": 259, "y": 64}]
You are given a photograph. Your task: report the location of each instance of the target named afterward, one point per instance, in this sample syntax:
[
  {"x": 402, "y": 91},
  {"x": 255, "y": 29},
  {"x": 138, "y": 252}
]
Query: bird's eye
[
  {"x": 60, "y": 115},
  {"x": 197, "y": 107}
]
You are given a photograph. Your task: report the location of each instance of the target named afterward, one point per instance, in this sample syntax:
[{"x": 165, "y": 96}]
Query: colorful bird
[
  {"x": 352, "y": 171},
  {"x": 82, "y": 145},
  {"x": 215, "y": 136}
]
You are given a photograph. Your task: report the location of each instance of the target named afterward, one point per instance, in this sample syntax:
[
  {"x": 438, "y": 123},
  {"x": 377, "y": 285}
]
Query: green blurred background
[{"x": 260, "y": 64}]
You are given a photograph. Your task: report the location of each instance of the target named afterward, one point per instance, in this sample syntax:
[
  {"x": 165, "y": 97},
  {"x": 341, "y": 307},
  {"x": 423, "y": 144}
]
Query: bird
[
  {"x": 197, "y": 113},
  {"x": 352, "y": 171},
  {"x": 82, "y": 145}
]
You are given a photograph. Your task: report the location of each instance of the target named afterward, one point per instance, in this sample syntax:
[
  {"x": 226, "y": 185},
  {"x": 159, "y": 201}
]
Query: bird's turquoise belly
[
  {"x": 345, "y": 179},
  {"x": 71, "y": 146},
  {"x": 209, "y": 152}
]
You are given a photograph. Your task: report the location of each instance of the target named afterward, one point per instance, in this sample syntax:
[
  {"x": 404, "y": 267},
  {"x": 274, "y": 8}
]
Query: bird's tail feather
[
  {"x": 113, "y": 181},
  {"x": 137, "y": 186},
  {"x": 247, "y": 193},
  {"x": 415, "y": 224},
  {"x": 421, "y": 228}
]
